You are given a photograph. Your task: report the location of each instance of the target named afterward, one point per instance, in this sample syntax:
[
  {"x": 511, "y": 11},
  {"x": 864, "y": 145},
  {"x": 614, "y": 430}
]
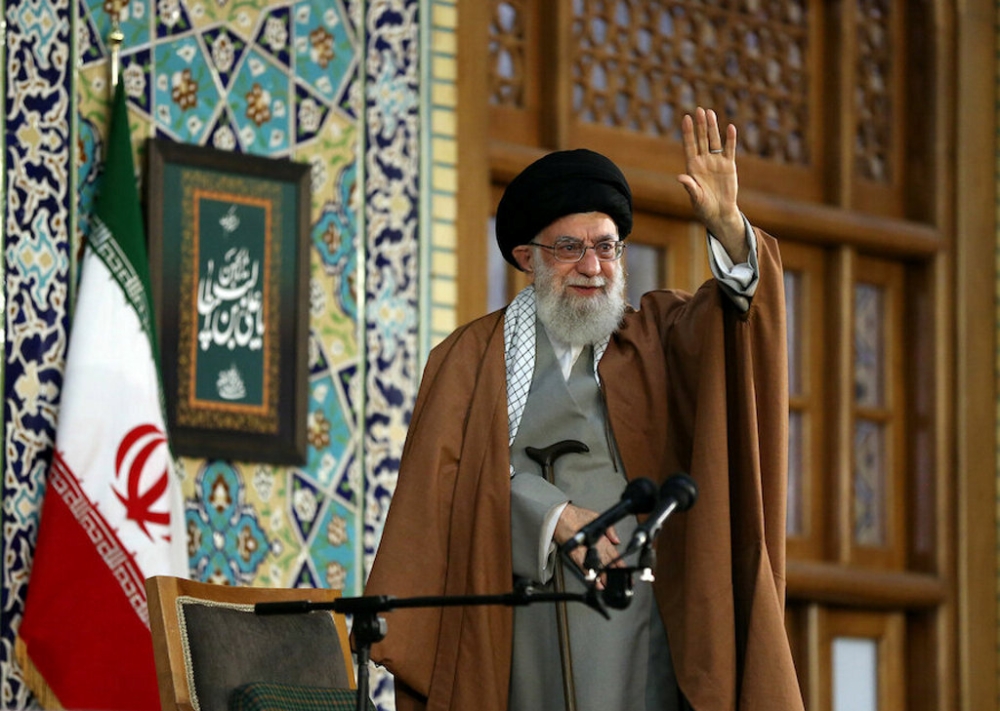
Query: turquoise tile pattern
[
  {"x": 331, "y": 83},
  {"x": 226, "y": 543}
]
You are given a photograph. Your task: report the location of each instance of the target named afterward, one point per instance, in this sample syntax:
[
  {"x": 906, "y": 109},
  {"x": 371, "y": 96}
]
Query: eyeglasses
[{"x": 572, "y": 250}]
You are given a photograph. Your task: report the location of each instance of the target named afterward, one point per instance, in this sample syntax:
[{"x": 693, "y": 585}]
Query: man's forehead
[{"x": 583, "y": 225}]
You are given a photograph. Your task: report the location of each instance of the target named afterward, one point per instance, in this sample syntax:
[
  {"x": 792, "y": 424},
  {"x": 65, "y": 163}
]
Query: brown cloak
[{"x": 691, "y": 385}]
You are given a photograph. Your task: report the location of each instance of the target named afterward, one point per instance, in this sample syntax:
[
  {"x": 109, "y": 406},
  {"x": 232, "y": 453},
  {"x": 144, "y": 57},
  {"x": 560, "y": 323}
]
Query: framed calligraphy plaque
[{"x": 229, "y": 261}]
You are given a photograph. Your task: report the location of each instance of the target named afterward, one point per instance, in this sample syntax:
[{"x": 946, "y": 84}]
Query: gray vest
[
  {"x": 612, "y": 659},
  {"x": 558, "y": 409}
]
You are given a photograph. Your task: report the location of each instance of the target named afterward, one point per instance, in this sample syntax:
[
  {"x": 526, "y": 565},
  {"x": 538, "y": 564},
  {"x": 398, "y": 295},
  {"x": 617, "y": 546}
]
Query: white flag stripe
[{"x": 111, "y": 386}]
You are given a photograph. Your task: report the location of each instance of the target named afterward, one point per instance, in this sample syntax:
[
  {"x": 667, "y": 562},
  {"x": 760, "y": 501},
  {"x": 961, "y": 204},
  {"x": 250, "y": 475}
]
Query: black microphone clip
[{"x": 618, "y": 590}]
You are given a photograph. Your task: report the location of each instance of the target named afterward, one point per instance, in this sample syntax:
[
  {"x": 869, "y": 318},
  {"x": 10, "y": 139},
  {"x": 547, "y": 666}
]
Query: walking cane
[{"x": 546, "y": 458}]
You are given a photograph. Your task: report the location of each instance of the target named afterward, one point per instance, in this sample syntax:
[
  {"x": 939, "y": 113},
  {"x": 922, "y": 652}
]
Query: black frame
[{"x": 186, "y": 187}]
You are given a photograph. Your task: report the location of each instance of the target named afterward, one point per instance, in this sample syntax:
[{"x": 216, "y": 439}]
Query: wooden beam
[
  {"x": 975, "y": 321},
  {"x": 473, "y": 169}
]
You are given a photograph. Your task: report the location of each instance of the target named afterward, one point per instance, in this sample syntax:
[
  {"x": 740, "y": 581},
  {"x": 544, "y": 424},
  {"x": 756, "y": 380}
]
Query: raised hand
[{"x": 710, "y": 180}]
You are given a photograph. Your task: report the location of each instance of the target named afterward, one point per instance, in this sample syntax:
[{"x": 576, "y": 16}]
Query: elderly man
[{"x": 693, "y": 383}]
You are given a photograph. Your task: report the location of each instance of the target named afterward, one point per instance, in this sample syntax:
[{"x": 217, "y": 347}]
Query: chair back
[{"x": 208, "y": 641}]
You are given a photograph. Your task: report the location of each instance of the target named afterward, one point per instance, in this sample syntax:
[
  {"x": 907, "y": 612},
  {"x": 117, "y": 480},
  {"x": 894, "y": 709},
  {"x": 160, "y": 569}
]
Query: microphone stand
[
  {"x": 369, "y": 628},
  {"x": 619, "y": 587}
]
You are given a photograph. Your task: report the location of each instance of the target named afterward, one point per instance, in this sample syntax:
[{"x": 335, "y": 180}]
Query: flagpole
[{"x": 115, "y": 39}]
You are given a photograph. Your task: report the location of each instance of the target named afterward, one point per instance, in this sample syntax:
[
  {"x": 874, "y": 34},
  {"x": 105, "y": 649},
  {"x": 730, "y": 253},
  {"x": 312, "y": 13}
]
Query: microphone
[
  {"x": 639, "y": 497},
  {"x": 678, "y": 493}
]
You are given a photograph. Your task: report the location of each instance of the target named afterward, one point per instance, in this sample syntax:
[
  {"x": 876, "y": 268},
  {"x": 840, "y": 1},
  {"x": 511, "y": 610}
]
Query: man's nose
[{"x": 590, "y": 264}]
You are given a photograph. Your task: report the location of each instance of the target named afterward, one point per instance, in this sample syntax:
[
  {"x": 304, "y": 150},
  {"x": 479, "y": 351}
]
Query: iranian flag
[{"x": 112, "y": 514}]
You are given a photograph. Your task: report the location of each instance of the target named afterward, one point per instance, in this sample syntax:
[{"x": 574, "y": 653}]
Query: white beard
[{"x": 576, "y": 320}]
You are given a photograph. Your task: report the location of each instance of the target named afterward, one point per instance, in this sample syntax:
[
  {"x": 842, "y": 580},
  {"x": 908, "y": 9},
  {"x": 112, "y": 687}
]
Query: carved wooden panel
[
  {"x": 507, "y": 40},
  {"x": 516, "y": 65},
  {"x": 874, "y": 88},
  {"x": 877, "y": 105},
  {"x": 815, "y": 89},
  {"x": 641, "y": 66}
]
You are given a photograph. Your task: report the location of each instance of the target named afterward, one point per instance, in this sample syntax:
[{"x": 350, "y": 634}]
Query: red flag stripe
[
  {"x": 85, "y": 640},
  {"x": 118, "y": 560}
]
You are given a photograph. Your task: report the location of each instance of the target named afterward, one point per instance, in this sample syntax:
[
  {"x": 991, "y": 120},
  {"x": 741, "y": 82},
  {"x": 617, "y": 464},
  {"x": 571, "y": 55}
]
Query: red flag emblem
[{"x": 131, "y": 463}]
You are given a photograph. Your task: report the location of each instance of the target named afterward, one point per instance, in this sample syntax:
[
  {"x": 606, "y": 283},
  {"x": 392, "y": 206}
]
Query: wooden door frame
[
  {"x": 967, "y": 211},
  {"x": 974, "y": 308}
]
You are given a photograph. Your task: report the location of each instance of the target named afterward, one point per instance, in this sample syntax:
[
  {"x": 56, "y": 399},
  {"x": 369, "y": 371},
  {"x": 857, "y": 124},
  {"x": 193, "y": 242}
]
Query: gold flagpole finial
[{"x": 115, "y": 39}]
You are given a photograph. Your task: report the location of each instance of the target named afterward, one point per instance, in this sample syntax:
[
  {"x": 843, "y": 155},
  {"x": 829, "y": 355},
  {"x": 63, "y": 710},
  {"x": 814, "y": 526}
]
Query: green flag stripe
[
  {"x": 107, "y": 248},
  {"x": 117, "y": 204},
  {"x": 118, "y": 238}
]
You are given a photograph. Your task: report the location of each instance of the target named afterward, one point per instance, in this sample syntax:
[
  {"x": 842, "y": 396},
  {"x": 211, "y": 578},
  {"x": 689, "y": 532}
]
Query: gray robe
[{"x": 622, "y": 663}]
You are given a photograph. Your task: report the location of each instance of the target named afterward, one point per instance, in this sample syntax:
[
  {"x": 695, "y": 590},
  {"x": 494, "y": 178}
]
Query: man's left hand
[{"x": 711, "y": 181}]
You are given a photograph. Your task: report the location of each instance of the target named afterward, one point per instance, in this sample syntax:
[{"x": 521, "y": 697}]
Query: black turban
[{"x": 560, "y": 184}]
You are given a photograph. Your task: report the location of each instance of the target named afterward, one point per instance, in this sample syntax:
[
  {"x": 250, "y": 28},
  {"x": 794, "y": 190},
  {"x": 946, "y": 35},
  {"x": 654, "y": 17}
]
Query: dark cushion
[
  {"x": 289, "y": 697},
  {"x": 230, "y": 646}
]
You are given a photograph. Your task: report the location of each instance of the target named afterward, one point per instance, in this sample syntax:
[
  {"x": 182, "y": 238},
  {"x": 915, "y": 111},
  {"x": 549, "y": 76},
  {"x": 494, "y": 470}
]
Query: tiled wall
[
  {"x": 362, "y": 90},
  {"x": 442, "y": 107},
  {"x": 37, "y": 259}
]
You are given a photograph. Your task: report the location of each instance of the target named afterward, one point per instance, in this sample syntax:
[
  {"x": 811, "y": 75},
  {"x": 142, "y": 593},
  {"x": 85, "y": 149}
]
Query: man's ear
[{"x": 524, "y": 255}]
